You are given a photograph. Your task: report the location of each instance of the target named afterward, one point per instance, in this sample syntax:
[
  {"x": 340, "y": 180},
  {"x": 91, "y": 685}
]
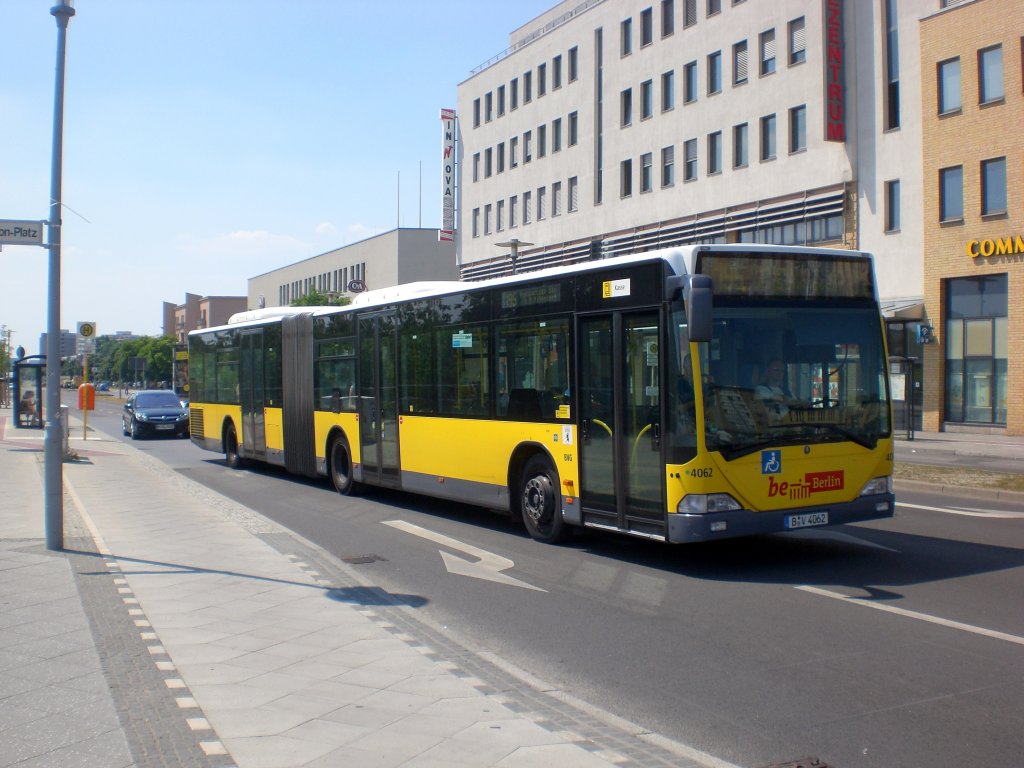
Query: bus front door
[
  {"x": 620, "y": 431},
  {"x": 252, "y": 394},
  {"x": 378, "y": 401}
]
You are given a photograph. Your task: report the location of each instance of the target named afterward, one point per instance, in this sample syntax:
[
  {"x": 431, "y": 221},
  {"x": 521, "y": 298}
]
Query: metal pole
[{"x": 54, "y": 436}]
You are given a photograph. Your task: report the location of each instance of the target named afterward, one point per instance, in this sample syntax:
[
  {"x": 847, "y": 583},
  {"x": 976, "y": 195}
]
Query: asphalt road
[{"x": 897, "y": 643}]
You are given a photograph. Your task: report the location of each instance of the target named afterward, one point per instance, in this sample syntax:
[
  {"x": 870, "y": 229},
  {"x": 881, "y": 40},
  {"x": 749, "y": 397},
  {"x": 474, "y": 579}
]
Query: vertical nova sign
[
  {"x": 447, "y": 231},
  {"x": 835, "y": 72}
]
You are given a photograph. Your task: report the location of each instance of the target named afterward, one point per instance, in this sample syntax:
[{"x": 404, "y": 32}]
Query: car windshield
[{"x": 157, "y": 400}]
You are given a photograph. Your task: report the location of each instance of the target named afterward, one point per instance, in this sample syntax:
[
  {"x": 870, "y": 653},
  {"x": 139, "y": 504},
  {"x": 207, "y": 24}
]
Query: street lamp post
[
  {"x": 54, "y": 437},
  {"x": 514, "y": 244}
]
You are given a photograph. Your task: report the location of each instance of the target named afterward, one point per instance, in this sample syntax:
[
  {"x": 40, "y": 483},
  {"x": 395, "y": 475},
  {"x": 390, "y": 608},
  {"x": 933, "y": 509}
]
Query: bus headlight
[
  {"x": 703, "y": 503},
  {"x": 877, "y": 485}
]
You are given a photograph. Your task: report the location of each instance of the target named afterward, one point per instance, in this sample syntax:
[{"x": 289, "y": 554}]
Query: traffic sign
[
  {"x": 87, "y": 330},
  {"x": 13, "y": 232}
]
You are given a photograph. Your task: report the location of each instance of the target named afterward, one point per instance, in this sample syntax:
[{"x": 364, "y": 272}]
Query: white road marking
[
  {"x": 967, "y": 511},
  {"x": 488, "y": 566},
  {"x": 915, "y": 615}
]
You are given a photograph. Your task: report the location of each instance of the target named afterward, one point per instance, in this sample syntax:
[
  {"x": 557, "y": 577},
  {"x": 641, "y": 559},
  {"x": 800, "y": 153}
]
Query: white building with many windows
[{"x": 611, "y": 126}]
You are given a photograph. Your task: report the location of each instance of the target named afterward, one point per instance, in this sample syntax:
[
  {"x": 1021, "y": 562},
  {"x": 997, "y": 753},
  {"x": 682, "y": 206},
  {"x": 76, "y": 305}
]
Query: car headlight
[
  {"x": 703, "y": 503},
  {"x": 141, "y": 416},
  {"x": 877, "y": 485}
]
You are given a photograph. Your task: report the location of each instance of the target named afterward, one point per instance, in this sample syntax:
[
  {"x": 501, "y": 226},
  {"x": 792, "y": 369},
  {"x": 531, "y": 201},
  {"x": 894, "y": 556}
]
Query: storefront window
[{"x": 976, "y": 349}]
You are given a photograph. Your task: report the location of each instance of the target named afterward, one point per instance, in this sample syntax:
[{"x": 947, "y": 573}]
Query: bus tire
[
  {"x": 339, "y": 466},
  {"x": 231, "y": 455},
  {"x": 539, "y": 501}
]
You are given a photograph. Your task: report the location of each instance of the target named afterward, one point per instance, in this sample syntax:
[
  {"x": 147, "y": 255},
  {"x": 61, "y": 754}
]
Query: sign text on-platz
[{"x": 13, "y": 232}]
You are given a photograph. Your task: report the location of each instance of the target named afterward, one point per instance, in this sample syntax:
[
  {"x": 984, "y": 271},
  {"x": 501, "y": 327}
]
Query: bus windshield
[{"x": 779, "y": 374}]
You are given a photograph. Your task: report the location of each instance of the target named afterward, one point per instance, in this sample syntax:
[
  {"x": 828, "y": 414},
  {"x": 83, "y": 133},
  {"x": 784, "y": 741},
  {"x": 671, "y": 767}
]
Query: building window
[
  {"x": 767, "y": 40},
  {"x": 574, "y": 189},
  {"x": 668, "y": 170},
  {"x": 689, "y": 13},
  {"x": 949, "y": 86},
  {"x": 668, "y": 91},
  {"x": 487, "y": 219},
  {"x": 951, "y": 194},
  {"x": 646, "y": 99},
  {"x": 501, "y": 100},
  {"x": 646, "y": 27},
  {"x": 714, "y": 7},
  {"x": 892, "y": 206},
  {"x": 714, "y": 72},
  {"x": 512, "y": 206},
  {"x": 556, "y": 199},
  {"x": 714, "y": 153},
  {"x": 513, "y": 152},
  {"x": 527, "y": 87},
  {"x": 513, "y": 93},
  {"x": 990, "y": 74},
  {"x": 690, "y": 82},
  {"x": 668, "y": 17},
  {"x": 993, "y": 186},
  {"x": 556, "y": 73},
  {"x": 501, "y": 157},
  {"x": 488, "y": 107},
  {"x": 977, "y": 349},
  {"x": 690, "y": 160},
  {"x": 476, "y": 166},
  {"x": 574, "y": 64},
  {"x": 542, "y": 140},
  {"x": 573, "y": 129},
  {"x": 626, "y": 35},
  {"x": 626, "y": 107},
  {"x": 892, "y": 66},
  {"x": 768, "y": 137},
  {"x": 797, "y": 42},
  {"x": 499, "y": 215},
  {"x": 527, "y": 209},
  {"x": 542, "y": 79},
  {"x": 739, "y": 146},
  {"x": 626, "y": 178},
  {"x": 556, "y": 134},
  {"x": 476, "y": 222},
  {"x": 542, "y": 193},
  {"x": 646, "y": 172},
  {"x": 798, "y": 129},
  {"x": 527, "y": 147},
  {"x": 488, "y": 161},
  {"x": 476, "y": 112},
  {"x": 739, "y": 63}
]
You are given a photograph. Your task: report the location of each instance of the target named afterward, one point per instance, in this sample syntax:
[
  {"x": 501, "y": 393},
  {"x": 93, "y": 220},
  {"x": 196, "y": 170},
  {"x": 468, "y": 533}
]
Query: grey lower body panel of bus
[
  {"x": 467, "y": 491},
  {"x": 684, "y": 528}
]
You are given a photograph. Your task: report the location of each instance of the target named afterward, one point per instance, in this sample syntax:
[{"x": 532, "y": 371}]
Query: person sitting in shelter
[{"x": 27, "y": 408}]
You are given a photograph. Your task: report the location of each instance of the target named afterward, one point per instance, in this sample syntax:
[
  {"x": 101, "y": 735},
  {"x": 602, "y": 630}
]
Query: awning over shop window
[{"x": 903, "y": 309}]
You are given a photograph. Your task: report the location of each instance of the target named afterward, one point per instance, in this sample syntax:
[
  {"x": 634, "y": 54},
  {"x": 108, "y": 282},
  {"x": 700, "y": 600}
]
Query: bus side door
[{"x": 378, "y": 399}]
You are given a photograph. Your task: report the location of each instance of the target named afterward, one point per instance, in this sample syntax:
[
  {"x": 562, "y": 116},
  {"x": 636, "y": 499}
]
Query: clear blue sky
[{"x": 209, "y": 141}]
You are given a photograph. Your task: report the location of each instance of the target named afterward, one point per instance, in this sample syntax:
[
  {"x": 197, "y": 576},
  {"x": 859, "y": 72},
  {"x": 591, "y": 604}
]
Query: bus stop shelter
[{"x": 29, "y": 377}]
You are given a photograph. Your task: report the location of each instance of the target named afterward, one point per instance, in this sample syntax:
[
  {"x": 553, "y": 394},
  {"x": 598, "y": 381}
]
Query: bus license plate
[{"x": 806, "y": 520}]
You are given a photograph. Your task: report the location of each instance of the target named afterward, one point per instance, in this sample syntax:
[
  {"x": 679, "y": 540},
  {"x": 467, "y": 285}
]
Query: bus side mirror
[{"x": 697, "y": 294}]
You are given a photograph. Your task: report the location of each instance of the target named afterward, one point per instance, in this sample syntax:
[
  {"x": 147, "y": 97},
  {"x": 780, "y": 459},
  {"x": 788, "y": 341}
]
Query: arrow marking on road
[
  {"x": 967, "y": 511},
  {"x": 487, "y": 566}
]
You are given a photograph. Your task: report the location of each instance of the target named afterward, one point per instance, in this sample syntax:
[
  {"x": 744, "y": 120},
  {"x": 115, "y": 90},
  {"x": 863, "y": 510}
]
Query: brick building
[{"x": 973, "y": 170}]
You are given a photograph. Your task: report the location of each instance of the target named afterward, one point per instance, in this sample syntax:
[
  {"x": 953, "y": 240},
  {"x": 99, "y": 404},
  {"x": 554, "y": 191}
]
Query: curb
[{"x": 996, "y": 494}]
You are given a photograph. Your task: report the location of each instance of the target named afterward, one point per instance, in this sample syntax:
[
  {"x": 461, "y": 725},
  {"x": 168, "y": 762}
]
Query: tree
[{"x": 316, "y": 299}]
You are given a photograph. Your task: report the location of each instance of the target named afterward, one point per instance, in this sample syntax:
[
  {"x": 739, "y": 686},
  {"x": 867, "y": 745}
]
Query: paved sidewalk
[{"x": 181, "y": 629}]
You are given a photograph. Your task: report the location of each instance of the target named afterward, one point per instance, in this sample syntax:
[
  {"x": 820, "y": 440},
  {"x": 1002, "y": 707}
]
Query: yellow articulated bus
[{"x": 683, "y": 395}]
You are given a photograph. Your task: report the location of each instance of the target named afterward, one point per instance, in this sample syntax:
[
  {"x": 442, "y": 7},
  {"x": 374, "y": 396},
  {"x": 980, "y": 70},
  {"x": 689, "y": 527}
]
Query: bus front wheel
[
  {"x": 231, "y": 455},
  {"x": 341, "y": 468},
  {"x": 539, "y": 501}
]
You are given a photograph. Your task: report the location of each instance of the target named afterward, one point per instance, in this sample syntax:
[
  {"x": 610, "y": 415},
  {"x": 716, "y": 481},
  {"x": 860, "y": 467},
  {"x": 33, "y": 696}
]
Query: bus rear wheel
[
  {"x": 231, "y": 455},
  {"x": 341, "y": 467},
  {"x": 539, "y": 501}
]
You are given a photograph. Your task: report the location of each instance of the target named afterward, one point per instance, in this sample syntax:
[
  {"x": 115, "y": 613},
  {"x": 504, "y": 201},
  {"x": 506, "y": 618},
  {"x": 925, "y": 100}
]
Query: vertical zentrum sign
[
  {"x": 447, "y": 231},
  {"x": 835, "y": 72}
]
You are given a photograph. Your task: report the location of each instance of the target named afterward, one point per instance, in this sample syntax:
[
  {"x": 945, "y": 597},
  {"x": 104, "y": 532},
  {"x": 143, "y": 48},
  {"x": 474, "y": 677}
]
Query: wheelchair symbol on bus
[{"x": 771, "y": 462}]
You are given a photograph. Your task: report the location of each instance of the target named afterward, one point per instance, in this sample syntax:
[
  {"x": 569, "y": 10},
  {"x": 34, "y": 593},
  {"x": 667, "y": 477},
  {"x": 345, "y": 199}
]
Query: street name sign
[{"x": 14, "y": 232}]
